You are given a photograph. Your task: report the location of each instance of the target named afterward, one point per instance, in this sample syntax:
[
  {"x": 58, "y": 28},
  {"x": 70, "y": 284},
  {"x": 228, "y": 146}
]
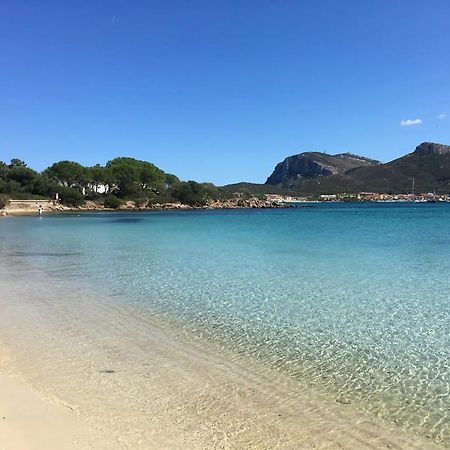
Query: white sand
[{"x": 29, "y": 422}]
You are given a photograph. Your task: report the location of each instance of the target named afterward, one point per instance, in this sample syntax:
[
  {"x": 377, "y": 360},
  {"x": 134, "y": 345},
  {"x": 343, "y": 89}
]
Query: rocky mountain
[
  {"x": 310, "y": 165},
  {"x": 319, "y": 173},
  {"x": 430, "y": 148},
  {"x": 428, "y": 165}
]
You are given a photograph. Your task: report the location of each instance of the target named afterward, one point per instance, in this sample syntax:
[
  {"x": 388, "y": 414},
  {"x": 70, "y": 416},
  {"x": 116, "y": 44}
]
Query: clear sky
[{"x": 221, "y": 90}]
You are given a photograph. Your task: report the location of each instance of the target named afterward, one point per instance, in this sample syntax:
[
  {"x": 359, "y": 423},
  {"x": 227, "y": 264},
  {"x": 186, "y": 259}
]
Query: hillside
[
  {"x": 428, "y": 164},
  {"x": 254, "y": 189},
  {"x": 314, "y": 164}
]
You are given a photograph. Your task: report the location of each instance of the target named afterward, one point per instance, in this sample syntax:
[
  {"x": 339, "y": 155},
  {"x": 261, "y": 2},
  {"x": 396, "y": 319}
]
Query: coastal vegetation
[
  {"x": 3, "y": 201},
  {"x": 119, "y": 180}
]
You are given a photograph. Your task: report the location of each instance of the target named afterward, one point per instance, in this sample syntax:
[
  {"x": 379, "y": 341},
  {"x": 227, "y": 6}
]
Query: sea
[{"x": 351, "y": 300}]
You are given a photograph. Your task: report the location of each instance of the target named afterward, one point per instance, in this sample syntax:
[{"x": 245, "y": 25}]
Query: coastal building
[
  {"x": 273, "y": 197},
  {"x": 328, "y": 197},
  {"x": 369, "y": 196}
]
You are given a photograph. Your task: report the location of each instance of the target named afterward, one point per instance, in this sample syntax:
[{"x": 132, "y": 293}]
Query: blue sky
[{"x": 221, "y": 90}]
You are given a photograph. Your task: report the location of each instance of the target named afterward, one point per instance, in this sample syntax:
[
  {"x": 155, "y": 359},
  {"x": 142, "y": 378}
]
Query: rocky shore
[{"x": 16, "y": 208}]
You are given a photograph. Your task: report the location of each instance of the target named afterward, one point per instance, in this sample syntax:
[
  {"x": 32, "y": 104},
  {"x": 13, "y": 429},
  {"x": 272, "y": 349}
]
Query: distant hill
[
  {"x": 254, "y": 188},
  {"x": 314, "y": 164},
  {"x": 319, "y": 173},
  {"x": 428, "y": 165}
]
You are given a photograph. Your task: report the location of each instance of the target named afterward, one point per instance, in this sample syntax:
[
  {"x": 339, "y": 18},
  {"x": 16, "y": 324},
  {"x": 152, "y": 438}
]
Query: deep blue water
[{"x": 352, "y": 299}]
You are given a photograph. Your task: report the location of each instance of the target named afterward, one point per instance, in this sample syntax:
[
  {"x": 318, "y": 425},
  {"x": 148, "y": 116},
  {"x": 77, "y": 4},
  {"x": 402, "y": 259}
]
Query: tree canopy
[
  {"x": 68, "y": 173},
  {"x": 123, "y": 178}
]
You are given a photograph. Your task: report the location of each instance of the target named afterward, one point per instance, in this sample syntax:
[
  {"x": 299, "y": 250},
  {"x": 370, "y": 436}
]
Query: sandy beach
[{"x": 30, "y": 422}]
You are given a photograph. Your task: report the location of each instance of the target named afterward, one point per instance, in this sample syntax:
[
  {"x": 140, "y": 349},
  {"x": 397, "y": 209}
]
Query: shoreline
[
  {"x": 140, "y": 381},
  {"x": 30, "y": 208}
]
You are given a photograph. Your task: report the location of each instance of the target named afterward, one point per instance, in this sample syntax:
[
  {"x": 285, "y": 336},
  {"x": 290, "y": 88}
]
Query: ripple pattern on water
[{"x": 352, "y": 300}]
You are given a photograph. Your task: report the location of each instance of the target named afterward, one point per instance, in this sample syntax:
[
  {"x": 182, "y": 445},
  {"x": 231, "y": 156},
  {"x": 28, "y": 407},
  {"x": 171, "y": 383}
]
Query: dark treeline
[{"x": 121, "y": 179}]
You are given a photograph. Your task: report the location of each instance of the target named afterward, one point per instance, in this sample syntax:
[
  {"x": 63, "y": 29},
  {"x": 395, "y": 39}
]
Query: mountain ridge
[
  {"x": 312, "y": 173},
  {"x": 308, "y": 165}
]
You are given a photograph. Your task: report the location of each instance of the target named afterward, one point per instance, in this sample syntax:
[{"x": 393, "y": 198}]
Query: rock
[
  {"x": 430, "y": 148},
  {"x": 316, "y": 164},
  {"x": 343, "y": 401}
]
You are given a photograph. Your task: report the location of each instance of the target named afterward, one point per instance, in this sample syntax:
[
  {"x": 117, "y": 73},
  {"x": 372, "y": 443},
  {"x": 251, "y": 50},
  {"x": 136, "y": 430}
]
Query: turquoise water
[{"x": 352, "y": 299}]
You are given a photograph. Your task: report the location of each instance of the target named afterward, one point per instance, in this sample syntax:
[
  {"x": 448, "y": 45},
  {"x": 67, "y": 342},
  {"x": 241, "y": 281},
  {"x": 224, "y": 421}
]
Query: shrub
[
  {"x": 94, "y": 196},
  {"x": 190, "y": 193},
  {"x": 71, "y": 196},
  {"x": 140, "y": 200},
  {"x": 112, "y": 202},
  {"x": 163, "y": 197},
  {"x": 3, "y": 201}
]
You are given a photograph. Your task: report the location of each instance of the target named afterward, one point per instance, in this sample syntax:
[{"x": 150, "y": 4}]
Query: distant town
[{"x": 362, "y": 196}]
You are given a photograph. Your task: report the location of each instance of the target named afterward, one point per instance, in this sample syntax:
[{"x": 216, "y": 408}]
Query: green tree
[
  {"x": 171, "y": 180},
  {"x": 17, "y": 163},
  {"x": 109, "y": 180},
  {"x": 71, "y": 196},
  {"x": 22, "y": 175},
  {"x": 68, "y": 173},
  {"x": 126, "y": 177},
  {"x": 43, "y": 186},
  {"x": 3, "y": 201},
  {"x": 129, "y": 171},
  {"x": 96, "y": 176},
  {"x": 190, "y": 193},
  {"x": 131, "y": 175},
  {"x": 3, "y": 169},
  {"x": 149, "y": 175},
  {"x": 112, "y": 202}
]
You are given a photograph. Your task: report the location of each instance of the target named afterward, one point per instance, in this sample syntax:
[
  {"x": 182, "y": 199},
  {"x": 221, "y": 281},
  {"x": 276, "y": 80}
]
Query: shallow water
[{"x": 350, "y": 299}]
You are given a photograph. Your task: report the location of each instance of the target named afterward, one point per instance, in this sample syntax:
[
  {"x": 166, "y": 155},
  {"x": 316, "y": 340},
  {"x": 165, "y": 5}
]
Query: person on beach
[{"x": 40, "y": 210}]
